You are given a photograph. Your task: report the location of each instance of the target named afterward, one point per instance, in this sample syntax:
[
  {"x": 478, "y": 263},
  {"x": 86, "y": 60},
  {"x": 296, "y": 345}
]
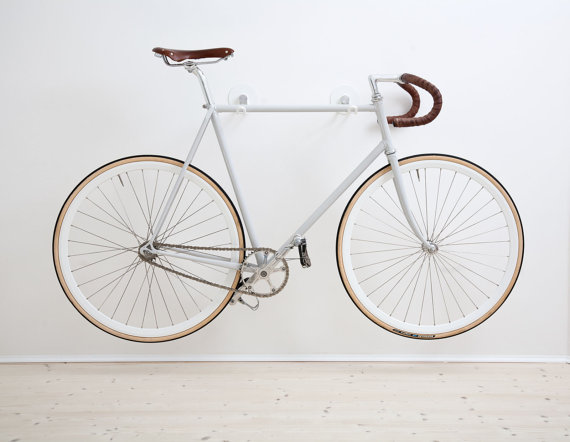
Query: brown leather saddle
[{"x": 181, "y": 55}]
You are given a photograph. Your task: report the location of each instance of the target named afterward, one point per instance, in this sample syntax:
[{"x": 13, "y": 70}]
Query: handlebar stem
[{"x": 374, "y": 79}]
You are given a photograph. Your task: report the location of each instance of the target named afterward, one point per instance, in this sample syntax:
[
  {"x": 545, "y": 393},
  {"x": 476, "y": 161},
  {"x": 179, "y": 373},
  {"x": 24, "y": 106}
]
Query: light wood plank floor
[{"x": 284, "y": 401}]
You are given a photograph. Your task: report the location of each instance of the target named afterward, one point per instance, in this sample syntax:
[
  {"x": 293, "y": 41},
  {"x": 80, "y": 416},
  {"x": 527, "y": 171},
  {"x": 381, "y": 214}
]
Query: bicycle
[{"x": 150, "y": 248}]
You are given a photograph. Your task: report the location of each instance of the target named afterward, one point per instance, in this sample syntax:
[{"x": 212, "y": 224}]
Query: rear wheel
[
  {"x": 415, "y": 292},
  {"x": 110, "y": 214}
]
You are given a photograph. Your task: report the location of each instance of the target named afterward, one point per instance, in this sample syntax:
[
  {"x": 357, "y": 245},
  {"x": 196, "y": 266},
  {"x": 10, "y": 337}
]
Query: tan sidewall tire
[
  {"x": 387, "y": 169},
  {"x": 75, "y": 192}
]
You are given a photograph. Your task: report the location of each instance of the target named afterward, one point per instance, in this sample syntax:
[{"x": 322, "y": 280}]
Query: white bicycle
[{"x": 150, "y": 248}]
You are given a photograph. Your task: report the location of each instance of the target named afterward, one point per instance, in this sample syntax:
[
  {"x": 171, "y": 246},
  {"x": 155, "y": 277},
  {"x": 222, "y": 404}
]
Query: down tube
[{"x": 335, "y": 195}]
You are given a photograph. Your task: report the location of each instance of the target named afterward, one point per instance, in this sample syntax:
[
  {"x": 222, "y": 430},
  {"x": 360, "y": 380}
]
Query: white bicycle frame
[{"x": 212, "y": 114}]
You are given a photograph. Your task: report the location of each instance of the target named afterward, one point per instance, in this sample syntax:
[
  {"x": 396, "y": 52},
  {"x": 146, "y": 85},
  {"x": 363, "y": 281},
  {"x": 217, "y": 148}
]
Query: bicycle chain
[{"x": 150, "y": 260}]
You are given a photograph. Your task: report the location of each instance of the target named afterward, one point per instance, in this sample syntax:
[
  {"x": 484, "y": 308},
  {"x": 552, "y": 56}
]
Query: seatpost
[{"x": 193, "y": 69}]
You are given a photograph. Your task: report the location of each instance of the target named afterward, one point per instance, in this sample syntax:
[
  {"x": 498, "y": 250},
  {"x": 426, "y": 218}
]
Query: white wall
[{"x": 80, "y": 87}]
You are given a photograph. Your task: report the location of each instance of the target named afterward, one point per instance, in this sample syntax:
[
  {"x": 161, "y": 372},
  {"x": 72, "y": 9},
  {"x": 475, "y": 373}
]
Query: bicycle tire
[
  {"x": 472, "y": 277},
  {"x": 113, "y": 207}
]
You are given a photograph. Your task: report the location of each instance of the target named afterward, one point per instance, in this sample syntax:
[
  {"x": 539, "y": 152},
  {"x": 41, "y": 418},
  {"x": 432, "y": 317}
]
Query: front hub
[{"x": 432, "y": 248}]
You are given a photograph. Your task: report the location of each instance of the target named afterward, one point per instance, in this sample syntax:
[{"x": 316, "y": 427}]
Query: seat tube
[
  {"x": 390, "y": 152},
  {"x": 226, "y": 154}
]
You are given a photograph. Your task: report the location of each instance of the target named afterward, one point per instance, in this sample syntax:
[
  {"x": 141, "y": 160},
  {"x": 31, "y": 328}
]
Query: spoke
[
  {"x": 461, "y": 210},
  {"x": 391, "y": 265},
  {"x": 98, "y": 236},
  {"x": 382, "y": 242},
  {"x": 107, "y": 274},
  {"x": 182, "y": 269},
  {"x": 100, "y": 245},
  {"x": 455, "y": 231},
  {"x": 165, "y": 234},
  {"x": 473, "y": 243},
  {"x": 478, "y": 234},
  {"x": 393, "y": 276},
  {"x": 138, "y": 201},
  {"x": 400, "y": 209},
  {"x": 204, "y": 236},
  {"x": 436, "y": 202},
  {"x": 456, "y": 281},
  {"x": 413, "y": 238},
  {"x": 400, "y": 222},
  {"x": 381, "y": 262},
  {"x": 154, "y": 196},
  {"x": 385, "y": 233},
  {"x": 445, "y": 223},
  {"x": 125, "y": 290},
  {"x": 138, "y": 294},
  {"x": 177, "y": 204},
  {"x": 447, "y": 259},
  {"x": 121, "y": 222},
  {"x": 129, "y": 267},
  {"x": 162, "y": 296},
  {"x": 438, "y": 271},
  {"x": 117, "y": 284},
  {"x": 184, "y": 283},
  {"x": 147, "y": 204},
  {"x": 149, "y": 296},
  {"x": 392, "y": 199},
  {"x": 111, "y": 249},
  {"x": 174, "y": 290},
  {"x": 397, "y": 282},
  {"x": 428, "y": 274},
  {"x": 130, "y": 223},
  {"x": 194, "y": 225},
  {"x": 163, "y": 200},
  {"x": 442, "y": 263},
  {"x": 417, "y": 199},
  {"x": 413, "y": 291},
  {"x": 479, "y": 254},
  {"x": 152, "y": 300},
  {"x": 472, "y": 260},
  {"x": 444, "y": 201},
  {"x": 101, "y": 260},
  {"x": 189, "y": 216},
  {"x": 379, "y": 251},
  {"x": 109, "y": 224},
  {"x": 439, "y": 264}
]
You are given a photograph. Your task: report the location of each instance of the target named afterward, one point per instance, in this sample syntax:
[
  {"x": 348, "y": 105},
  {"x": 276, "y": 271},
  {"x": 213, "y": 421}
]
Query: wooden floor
[{"x": 285, "y": 401}]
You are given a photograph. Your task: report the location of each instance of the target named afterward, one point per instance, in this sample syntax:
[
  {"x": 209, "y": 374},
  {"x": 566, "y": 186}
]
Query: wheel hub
[
  {"x": 146, "y": 254},
  {"x": 432, "y": 249}
]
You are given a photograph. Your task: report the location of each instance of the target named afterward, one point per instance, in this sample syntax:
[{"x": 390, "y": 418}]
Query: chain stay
[{"x": 220, "y": 249}]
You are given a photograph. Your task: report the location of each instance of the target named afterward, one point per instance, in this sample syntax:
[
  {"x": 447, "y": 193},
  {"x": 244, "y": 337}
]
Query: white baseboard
[{"x": 283, "y": 358}]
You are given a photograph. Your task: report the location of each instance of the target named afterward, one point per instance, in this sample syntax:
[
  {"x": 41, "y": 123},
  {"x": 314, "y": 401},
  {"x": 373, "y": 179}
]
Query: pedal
[
  {"x": 253, "y": 307},
  {"x": 303, "y": 254},
  {"x": 237, "y": 297}
]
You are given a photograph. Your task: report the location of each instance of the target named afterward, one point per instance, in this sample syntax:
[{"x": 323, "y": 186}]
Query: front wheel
[
  {"x": 430, "y": 294},
  {"x": 105, "y": 220}
]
